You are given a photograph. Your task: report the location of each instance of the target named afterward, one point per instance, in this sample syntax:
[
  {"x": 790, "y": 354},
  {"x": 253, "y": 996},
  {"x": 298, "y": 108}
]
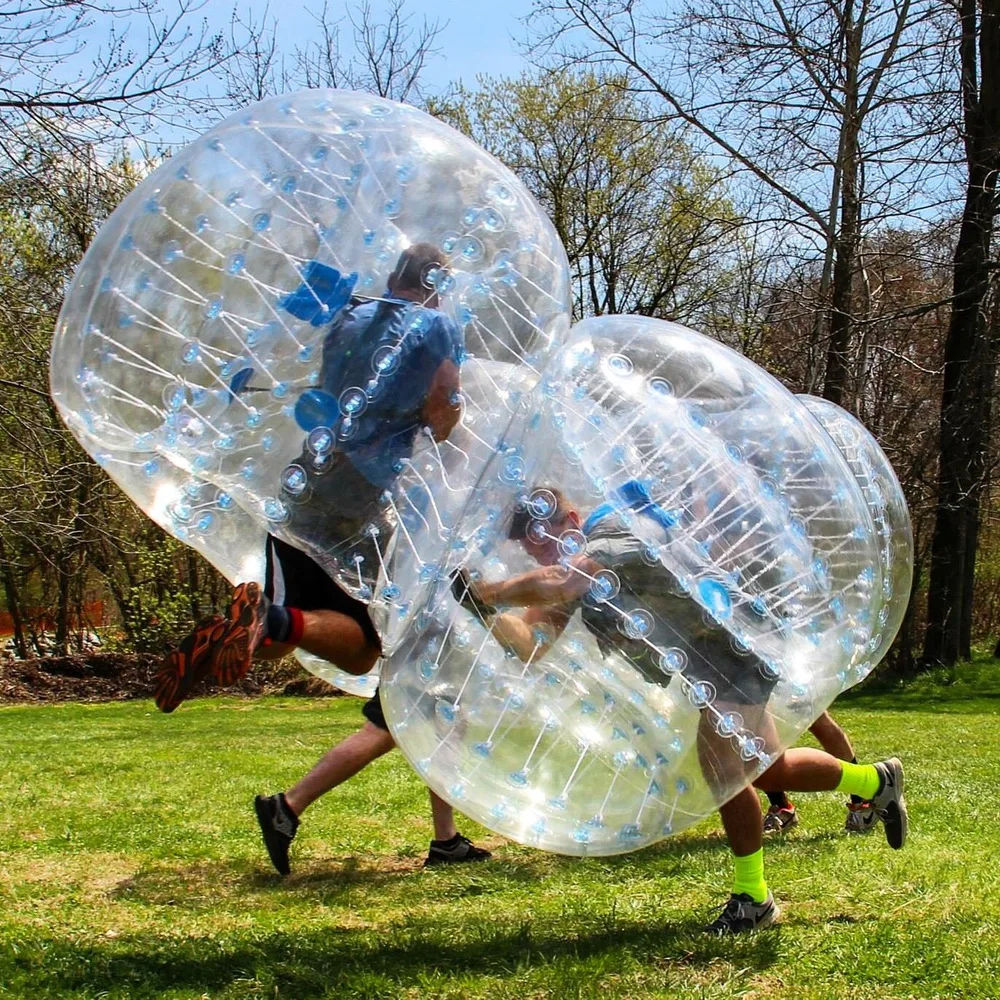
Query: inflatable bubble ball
[
  {"x": 664, "y": 575},
  {"x": 887, "y": 505},
  {"x": 201, "y": 515},
  {"x": 286, "y": 309}
]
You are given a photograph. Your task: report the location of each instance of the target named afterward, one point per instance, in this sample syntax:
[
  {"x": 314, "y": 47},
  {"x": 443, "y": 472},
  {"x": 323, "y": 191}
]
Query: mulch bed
[{"x": 94, "y": 677}]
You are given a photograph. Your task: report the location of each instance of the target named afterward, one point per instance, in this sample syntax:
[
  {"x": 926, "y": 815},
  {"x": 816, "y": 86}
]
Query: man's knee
[
  {"x": 378, "y": 737},
  {"x": 362, "y": 661},
  {"x": 775, "y": 778}
]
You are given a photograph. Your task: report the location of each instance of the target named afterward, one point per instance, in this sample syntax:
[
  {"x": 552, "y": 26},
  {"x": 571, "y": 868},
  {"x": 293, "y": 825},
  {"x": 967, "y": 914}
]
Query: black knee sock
[{"x": 779, "y": 800}]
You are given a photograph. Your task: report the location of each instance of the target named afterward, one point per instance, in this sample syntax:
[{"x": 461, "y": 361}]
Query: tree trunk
[
  {"x": 842, "y": 305},
  {"x": 13, "y": 596},
  {"x": 969, "y": 361},
  {"x": 62, "y": 623},
  {"x": 193, "y": 583},
  {"x": 904, "y": 648}
]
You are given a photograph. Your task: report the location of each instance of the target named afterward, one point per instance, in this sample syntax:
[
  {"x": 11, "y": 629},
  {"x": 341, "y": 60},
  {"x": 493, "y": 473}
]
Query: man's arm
[
  {"x": 441, "y": 410},
  {"x": 547, "y": 585},
  {"x": 532, "y": 634}
]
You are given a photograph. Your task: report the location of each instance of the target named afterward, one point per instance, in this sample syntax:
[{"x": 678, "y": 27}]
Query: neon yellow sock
[
  {"x": 748, "y": 876},
  {"x": 859, "y": 779}
]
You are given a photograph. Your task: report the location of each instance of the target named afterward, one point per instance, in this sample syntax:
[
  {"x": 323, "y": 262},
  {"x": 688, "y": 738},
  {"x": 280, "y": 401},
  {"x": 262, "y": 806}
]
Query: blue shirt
[{"x": 389, "y": 351}]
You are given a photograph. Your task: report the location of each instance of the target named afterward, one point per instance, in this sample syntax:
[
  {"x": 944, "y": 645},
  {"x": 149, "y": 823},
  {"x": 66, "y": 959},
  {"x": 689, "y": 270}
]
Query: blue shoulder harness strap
[
  {"x": 323, "y": 293},
  {"x": 634, "y": 495}
]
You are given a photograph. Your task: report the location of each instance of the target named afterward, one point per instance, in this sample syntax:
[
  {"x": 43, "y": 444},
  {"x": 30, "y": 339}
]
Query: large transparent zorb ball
[
  {"x": 706, "y": 597},
  {"x": 893, "y": 530},
  {"x": 233, "y": 316}
]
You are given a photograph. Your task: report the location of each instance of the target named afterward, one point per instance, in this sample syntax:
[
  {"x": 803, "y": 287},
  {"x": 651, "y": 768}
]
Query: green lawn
[{"x": 130, "y": 866}]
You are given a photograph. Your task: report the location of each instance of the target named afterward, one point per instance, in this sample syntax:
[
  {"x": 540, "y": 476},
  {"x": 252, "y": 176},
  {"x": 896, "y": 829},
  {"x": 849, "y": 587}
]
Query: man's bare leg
[
  {"x": 334, "y": 637},
  {"x": 224, "y": 646},
  {"x": 751, "y": 906},
  {"x": 782, "y": 815},
  {"x": 448, "y": 845},
  {"x": 800, "y": 769},
  {"x": 832, "y": 737},
  {"x": 278, "y": 815},
  {"x": 444, "y": 818},
  {"x": 337, "y": 765}
]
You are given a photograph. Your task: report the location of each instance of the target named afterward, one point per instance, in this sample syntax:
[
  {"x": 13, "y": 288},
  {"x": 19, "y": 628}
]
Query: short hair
[
  {"x": 410, "y": 272},
  {"x": 520, "y": 523}
]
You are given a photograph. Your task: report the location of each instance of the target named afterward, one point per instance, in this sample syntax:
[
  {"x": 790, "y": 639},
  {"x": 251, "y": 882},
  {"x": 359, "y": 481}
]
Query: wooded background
[{"x": 813, "y": 182}]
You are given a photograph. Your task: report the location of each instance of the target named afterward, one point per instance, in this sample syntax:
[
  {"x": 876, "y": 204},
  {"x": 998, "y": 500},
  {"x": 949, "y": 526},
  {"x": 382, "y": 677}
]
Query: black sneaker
[
  {"x": 455, "y": 851},
  {"x": 277, "y": 825},
  {"x": 888, "y": 802},
  {"x": 742, "y": 915}
]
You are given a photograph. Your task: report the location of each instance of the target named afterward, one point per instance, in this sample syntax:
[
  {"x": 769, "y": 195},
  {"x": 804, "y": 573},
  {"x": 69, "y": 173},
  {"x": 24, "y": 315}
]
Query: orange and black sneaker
[
  {"x": 188, "y": 664},
  {"x": 218, "y": 647},
  {"x": 247, "y": 630}
]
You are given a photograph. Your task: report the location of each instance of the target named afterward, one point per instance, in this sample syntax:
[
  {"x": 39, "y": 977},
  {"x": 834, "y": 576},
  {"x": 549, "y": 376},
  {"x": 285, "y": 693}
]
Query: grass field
[{"x": 130, "y": 866}]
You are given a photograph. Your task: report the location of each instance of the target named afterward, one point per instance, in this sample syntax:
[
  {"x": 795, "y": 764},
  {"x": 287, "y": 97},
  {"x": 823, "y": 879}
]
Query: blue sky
[{"x": 476, "y": 38}]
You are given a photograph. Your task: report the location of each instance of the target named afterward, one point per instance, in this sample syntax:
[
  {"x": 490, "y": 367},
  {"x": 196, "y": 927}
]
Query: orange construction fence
[{"x": 93, "y": 615}]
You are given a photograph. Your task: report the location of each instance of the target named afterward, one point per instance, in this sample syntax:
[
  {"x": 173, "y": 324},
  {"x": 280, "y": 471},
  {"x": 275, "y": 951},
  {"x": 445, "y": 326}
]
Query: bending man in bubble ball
[
  {"x": 554, "y": 591},
  {"x": 301, "y": 605}
]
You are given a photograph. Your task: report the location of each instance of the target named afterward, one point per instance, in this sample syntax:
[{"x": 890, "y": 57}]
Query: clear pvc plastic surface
[
  {"x": 668, "y": 574},
  {"x": 290, "y": 309},
  {"x": 887, "y": 505}
]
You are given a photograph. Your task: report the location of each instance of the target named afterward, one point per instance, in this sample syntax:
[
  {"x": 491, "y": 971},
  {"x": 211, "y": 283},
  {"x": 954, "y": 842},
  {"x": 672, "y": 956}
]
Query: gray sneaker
[
  {"x": 742, "y": 915},
  {"x": 778, "y": 819},
  {"x": 860, "y": 818},
  {"x": 888, "y": 802}
]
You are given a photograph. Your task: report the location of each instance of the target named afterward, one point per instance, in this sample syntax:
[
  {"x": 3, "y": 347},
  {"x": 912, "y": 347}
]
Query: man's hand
[{"x": 467, "y": 595}]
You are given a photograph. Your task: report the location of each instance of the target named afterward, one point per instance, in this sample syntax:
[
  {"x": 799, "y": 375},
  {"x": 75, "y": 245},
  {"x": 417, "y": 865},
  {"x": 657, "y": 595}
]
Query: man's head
[
  {"x": 540, "y": 523},
  {"x": 409, "y": 277}
]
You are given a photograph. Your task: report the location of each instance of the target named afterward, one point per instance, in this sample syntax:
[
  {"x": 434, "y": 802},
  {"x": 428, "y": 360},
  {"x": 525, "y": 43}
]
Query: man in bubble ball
[
  {"x": 300, "y": 604},
  {"x": 554, "y": 591}
]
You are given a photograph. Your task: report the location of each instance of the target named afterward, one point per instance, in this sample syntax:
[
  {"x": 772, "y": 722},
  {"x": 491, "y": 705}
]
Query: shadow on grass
[
  {"x": 965, "y": 701},
  {"x": 338, "y": 961},
  {"x": 331, "y": 881}
]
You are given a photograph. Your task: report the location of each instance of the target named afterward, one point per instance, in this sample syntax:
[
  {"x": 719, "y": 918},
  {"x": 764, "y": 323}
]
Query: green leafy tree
[{"x": 648, "y": 224}]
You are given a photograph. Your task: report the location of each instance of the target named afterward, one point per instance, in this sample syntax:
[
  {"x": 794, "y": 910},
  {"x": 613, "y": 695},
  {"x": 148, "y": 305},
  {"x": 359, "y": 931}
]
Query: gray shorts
[{"x": 341, "y": 517}]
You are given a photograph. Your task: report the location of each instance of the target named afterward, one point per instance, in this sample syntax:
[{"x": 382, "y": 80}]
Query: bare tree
[
  {"x": 385, "y": 56},
  {"x": 824, "y": 104},
  {"x": 970, "y": 354},
  {"x": 151, "y": 69}
]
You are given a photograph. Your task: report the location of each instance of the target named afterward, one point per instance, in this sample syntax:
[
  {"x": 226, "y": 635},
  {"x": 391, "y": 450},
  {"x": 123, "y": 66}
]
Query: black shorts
[
  {"x": 296, "y": 580},
  {"x": 372, "y": 711}
]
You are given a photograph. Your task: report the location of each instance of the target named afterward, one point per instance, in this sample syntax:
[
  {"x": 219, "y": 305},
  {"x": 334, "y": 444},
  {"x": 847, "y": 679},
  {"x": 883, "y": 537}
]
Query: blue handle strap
[{"x": 634, "y": 494}]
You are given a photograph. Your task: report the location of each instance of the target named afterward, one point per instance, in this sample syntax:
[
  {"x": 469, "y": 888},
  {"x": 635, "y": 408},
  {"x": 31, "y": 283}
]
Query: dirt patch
[{"x": 94, "y": 677}]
